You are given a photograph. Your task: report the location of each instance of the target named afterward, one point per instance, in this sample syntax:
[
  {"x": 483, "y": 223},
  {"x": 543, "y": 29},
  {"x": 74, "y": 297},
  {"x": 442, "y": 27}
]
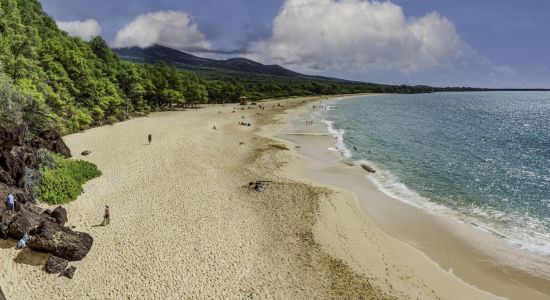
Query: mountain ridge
[{"x": 184, "y": 60}]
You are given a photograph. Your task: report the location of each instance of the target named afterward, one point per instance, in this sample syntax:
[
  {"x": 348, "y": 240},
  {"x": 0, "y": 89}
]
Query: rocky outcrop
[
  {"x": 47, "y": 233},
  {"x": 51, "y": 140},
  {"x": 60, "y": 215},
  {"x": 61, "y": 241},
  {"x": 56, "y": 264},
  {"x": 19, "y": 160}
]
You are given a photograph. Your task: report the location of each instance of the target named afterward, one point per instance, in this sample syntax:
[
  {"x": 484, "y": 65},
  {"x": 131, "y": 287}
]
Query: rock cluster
[
  {"x": 56, "y": 264},
  {"x": 47, "y": 231}
]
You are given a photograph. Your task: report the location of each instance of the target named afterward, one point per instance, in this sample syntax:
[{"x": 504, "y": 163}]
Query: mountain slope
[{"x": 188, "y": 61}]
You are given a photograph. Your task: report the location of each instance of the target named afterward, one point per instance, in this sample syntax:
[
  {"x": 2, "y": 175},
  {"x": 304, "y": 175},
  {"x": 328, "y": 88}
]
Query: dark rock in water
[
  {"x": 368, "y": 168},
  {"x": 60, "y": 215},
  {"x": 86, "y": 152},
  {"x": 69, "y": 272},
  {"x": 61, "y": 241},
  {"x": 56, "y": 264}
]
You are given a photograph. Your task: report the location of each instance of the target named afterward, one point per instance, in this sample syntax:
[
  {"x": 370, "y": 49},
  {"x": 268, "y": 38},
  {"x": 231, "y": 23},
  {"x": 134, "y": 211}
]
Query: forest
[{"x": 76, "y": 84}]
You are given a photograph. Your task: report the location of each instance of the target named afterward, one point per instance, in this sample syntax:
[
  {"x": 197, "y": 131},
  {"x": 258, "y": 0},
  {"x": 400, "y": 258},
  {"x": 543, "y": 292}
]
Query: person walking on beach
[
  {"x": 106, "y": 216},
  {"x": 10, "y": 202},
  {"x": 150, "y": 138}
]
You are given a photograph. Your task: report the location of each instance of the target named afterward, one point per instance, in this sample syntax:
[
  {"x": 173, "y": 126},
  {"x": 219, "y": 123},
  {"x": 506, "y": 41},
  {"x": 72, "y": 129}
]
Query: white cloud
[
  {"x": 357, "y": 34},
  {"x": 174, "y": 29},
  {"x": 83, "y": 29}
]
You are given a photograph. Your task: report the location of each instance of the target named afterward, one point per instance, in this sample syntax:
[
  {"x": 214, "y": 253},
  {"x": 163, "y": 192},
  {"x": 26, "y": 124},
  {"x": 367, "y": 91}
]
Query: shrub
[{"x": 63, "y": 182}]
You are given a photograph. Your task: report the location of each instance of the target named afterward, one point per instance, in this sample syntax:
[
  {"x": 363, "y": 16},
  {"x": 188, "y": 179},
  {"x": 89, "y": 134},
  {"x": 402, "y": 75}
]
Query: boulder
[
  {"x": 11, "y": 136},
  {"x": 368, "y": 168},
  {"x": 28, "y": 155},
  {"x": 22, "y": 221},
  {"x": 14, "y": 166},
  {"x": 51, "y": 140},
  {"x": 86, "y": 152},
  {"x": 56, "y": 264},
  {"x": 69, "y": 272},
  {"x": 61, "y": 241},
  {"x": 60, "y": 215},
  {"x": 5, "y": 177}
]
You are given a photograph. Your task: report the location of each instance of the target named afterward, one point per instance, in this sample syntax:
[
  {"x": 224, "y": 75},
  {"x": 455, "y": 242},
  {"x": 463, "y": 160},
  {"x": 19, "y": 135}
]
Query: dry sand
[{"x": 186, "y": 226}]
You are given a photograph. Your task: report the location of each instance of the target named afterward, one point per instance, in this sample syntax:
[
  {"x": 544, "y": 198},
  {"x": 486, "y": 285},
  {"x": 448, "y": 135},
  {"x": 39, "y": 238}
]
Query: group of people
[
  {"x": 10, "y": 205},
  {"x": 22, "y": 243}
]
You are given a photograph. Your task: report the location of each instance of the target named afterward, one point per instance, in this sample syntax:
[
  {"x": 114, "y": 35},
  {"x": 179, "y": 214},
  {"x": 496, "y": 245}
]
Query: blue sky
[{"x": 492, "y": 43}]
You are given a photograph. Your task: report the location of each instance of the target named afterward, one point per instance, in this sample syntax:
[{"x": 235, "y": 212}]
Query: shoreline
[
  {"x": 452, "y": 245},
  {"x": 185, "y": 223}
]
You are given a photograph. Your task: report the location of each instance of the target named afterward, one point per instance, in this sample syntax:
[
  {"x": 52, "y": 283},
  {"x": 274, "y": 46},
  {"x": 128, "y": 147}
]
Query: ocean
[{"x": 481, "y": 157}]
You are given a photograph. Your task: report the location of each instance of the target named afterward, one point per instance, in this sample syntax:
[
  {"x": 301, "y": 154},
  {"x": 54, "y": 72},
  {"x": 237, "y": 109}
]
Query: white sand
[{"x": 185, "y": 226}]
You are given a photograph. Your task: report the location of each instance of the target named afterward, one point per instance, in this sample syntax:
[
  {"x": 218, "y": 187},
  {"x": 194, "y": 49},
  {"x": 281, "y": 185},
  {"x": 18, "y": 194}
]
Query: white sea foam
[
  {"x": 339, "y": 136},
  {"x": 528, "y": 238}
]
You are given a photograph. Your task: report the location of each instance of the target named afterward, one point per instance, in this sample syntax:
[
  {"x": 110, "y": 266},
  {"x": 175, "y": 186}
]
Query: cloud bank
[
  {"x": 371, "y": 35},
  {"x": 83, "y": 29},
  {"x": 174, "y": 29}
]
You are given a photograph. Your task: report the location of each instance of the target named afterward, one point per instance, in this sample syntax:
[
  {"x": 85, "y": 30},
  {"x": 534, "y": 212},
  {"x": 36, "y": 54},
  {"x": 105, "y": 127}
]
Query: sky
[{"x": 489, "y": 43}]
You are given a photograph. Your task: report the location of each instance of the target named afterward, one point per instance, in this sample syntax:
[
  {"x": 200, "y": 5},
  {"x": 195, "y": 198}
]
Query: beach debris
[
  {"x": 56, "y": 264},
  {"x": 368, "y": 168},
  {"x": 86, "y": 152},
  {"x": 280, "y": 146},
  {"x": 349, "y": 163},
  {"x": 258, "y": 186},
  {"x": 69, "y": 272}
]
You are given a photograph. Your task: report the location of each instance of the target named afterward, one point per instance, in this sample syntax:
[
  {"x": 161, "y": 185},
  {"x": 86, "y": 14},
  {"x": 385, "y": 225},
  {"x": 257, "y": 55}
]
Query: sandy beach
[{"x": 185, "y": 224}]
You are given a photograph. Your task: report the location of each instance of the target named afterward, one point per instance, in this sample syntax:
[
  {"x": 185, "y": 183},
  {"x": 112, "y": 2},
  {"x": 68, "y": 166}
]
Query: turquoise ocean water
[{"x": 481, "y": 157}]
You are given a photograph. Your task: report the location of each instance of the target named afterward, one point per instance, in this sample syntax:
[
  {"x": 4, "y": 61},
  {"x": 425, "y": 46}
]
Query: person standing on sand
[
  {"x": 106, "y": 216},
  {"x": 150, "y": 138}
]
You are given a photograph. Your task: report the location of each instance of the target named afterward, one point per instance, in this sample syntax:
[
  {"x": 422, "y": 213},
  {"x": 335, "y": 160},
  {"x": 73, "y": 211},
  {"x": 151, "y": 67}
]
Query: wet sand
[{"x": 454, "y": 245}]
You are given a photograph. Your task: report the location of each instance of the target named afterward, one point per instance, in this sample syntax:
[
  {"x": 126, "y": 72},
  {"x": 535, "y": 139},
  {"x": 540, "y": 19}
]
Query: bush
[{"x": 63, "y": 183}]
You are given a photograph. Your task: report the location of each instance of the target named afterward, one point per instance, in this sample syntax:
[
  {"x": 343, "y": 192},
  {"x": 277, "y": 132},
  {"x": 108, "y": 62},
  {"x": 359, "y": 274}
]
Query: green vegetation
[
  {"x": 61, "y": 178},
  {"x": 230, "y": 85},
  {"x": 82, "y": 84}
]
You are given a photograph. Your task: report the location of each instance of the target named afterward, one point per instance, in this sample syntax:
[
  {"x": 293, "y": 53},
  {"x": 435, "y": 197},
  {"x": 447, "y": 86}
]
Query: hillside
[
  {"x": 77, "y": 84},
  {"x": 188, "y": 61}
]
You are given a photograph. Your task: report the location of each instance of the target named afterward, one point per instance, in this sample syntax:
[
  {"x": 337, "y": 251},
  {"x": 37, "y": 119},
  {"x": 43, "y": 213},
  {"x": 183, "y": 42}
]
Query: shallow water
[{"x": 482, "y": 157}]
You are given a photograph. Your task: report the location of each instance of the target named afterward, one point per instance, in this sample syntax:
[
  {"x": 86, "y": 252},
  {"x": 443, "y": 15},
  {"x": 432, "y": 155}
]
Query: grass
[{"x": 62, "y": 178}]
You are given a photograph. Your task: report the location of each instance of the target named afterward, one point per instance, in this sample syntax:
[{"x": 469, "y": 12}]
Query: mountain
[{"x": 188, "y": 61}]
